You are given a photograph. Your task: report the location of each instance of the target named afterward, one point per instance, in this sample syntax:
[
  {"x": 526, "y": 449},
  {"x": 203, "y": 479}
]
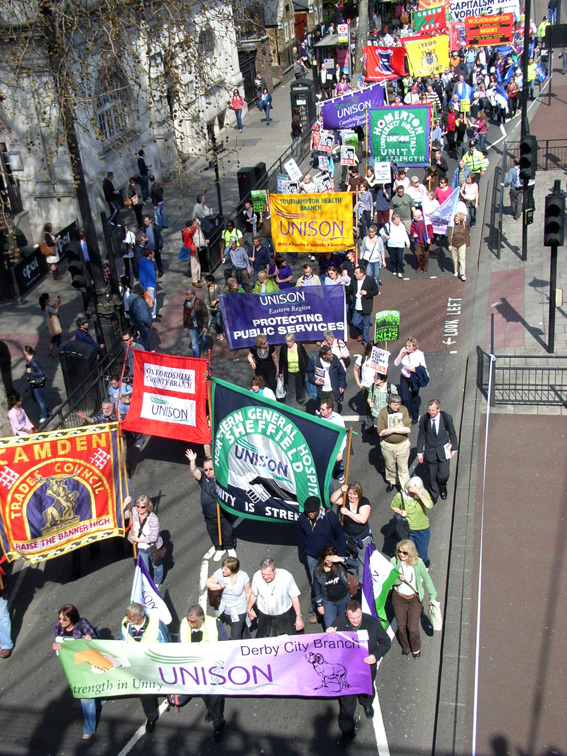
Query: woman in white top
[
  {"x": 372, "y": 252},
  {"x": 235, "y": 586},
  {"x": 429, "y": 205},
  {"x": 469, "y": 195},
  {"x": 128, "y": 241},
  {"x": 145, "y": 533},
  {"x": 397, "y": 237},
  {"x": 364, "y": 377},
  {"x": 416, "y": 191},
  {"x": 402, "y": 180},
  {"x": 410, "y": 357}
]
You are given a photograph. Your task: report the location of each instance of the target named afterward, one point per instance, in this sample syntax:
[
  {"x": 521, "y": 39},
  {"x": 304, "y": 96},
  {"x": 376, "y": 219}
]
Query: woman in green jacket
[
  {"x": 408, "y": 594},
  {"x": 264, "y": 285}
]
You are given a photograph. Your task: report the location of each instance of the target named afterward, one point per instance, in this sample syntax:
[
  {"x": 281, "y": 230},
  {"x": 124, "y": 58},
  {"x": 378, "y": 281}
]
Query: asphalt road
[{"x": 38, "y": 715}]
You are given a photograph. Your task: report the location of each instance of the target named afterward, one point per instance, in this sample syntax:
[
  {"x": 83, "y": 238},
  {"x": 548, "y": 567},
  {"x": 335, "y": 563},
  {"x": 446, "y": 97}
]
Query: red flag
[
  {"x": 384, "y": 63},
  {"x": 169, "y": 397}
]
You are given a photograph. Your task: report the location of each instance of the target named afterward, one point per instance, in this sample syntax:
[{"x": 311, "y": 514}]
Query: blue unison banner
[
  {"x": 349, "y": 111},
  {"x": 306, "y": 311}
]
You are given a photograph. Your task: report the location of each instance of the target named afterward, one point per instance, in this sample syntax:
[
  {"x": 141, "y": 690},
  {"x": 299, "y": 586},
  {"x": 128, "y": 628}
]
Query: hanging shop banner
[
  {"x": 428, "y": 4},
  {"x": 385, "y": 63},
  {"x": 387, "y": 326},
  {"x": 463, "y": 9},
  {"x": 259, "y": 200},
  {"x": 60, "y": 491},
  {"x": 350, "y": 110},
  {"x": 312, "y": 222},
  {"x": 457, "y": 36},
  {"x": 316, "y": 666},
  {"x": 306, "y": 311},
  {"x": 401, "y": 134},
  {"x": 269, "y": 458},
  {"x": 169, "y": 397},
  {"x": 428, "y": 56},
  {"x": 430, "y": 20},
  {"x": 489, "y": 30}
]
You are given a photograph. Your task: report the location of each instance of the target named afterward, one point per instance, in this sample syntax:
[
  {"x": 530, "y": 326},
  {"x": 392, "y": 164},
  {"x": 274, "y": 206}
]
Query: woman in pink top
[
  {"x": 481, "y": 130},
  {"x": 342, "y": 86},
  {"x": 237, "y": 104},
  {"x": 20, "y": 422},
  {"x": 410, "y": 357},
  {"x": 443, "y": 191}
]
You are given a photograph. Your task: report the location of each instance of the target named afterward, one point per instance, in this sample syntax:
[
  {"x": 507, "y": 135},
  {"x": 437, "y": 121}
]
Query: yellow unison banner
[
  {"x": 312, "y": 222},
  {"x": 428, "y": 56}
]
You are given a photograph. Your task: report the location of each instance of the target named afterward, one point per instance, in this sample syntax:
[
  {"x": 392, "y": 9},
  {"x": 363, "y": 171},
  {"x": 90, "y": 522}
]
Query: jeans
[
  {"x": 410, "y": 399},
  {"x": 373, "y": 269},
  {"x": 315, "y": 585},
  {"x": 267, "y": 109},
  {"x": 160, "y": 217},
  {"x": 199, "y": 342},
  {"x": 361, "y": 323},
  {"x": 363, "y": 223},
  {"x": 5, "y": 626},
  {"x": 145, "y": 187},
  {"x": 90, "y": 706},
  {"x": 295, "y": 389},
  {"x": 158, "y": 568},
  {"x": 238, "y": 114},
  {"x": 397, "y": 258},
  {"x": 296, "y": 149},
  {"x": 114, "y": 206},
  {"x": 216, "y": 319},
  {"x": 481, "y": 139},
  {"x": 333, "y": 609},
  {"x": 421, "y": 540},
  {"x": 144, "y": 336},
  {"x": 38, "y": 395}
]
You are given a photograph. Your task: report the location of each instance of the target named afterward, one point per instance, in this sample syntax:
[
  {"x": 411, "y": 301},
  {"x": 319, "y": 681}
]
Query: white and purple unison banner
[
  {"x": 306, "y": 311},
  {"x": 349, "y": 111},
  {"x": 322, "y": 665}
]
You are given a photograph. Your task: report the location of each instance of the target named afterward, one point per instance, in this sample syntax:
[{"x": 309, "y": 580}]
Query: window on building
[
  {"x": 286, "y": 32},
  {"x": 111, "y": 105},
  {"x": 206, "y": 43}
]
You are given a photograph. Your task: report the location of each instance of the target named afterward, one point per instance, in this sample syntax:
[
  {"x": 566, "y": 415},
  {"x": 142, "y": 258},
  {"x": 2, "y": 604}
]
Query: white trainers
[
  {"x": 218, "y": 555},
  {"x": 455, "y": 275},
  {"x": 463, "y": 278},
  {"x": 232, "y": 553}
]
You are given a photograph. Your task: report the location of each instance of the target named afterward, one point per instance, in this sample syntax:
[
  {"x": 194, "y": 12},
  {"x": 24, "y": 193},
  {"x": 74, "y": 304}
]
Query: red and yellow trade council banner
[
  {"x": 482, "y": 31},
  {"x": 312, "y": 222},
  {"x": 60, "y": 491}
]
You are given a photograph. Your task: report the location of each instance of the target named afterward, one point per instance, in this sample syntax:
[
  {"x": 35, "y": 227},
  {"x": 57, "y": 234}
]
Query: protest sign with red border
[
  {"x": 482, "y": 31},
  {"x": 169, "y": 397}
]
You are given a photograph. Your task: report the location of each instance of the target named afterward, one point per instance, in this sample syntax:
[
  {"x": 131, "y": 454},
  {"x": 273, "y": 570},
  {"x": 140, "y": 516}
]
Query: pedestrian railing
[
  {"x": 88, "y": 395},
  {"x": 551, "y": 154},
  {"x": 523, "y": 379}
]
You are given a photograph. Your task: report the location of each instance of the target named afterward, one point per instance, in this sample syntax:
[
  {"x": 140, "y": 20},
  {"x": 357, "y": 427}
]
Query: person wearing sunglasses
[
  {"x": 407, "y": 596},
  {"x": 145, "y": 534}
]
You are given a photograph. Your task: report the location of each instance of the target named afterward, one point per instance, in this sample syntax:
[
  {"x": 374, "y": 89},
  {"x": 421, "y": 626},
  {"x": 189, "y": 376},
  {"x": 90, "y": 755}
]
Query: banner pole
[
  {"x": 366, "y": 131},
  {"x": 210, "y": 400},
  {"x": 347, "y": 465}
]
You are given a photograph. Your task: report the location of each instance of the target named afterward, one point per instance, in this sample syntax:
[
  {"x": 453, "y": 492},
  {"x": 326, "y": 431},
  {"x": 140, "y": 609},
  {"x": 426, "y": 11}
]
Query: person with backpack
[{"x": 71, "y": 626}]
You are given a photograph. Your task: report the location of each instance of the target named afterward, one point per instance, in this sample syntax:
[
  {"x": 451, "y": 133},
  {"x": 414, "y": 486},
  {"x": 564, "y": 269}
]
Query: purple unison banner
[
  {"x": 323, "y": 665},
  {"x": 306, "y": 311},
  {"x": 350, "y": 110}
]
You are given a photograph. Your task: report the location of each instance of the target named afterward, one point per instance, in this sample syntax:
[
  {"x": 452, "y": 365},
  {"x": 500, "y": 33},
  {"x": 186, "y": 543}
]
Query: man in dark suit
[
  {"x": 364, "y": 290},
  {"x": 436, "y": 431}
]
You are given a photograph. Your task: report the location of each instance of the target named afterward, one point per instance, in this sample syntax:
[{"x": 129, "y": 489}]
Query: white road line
[
  {"x": 378, "y": 721},
  {"x": 517, "y": 126},
  {"x": 140, "y": 732}
]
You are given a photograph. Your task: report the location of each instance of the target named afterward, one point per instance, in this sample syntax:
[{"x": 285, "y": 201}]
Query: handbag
[
  {"x": 45, "y": 249},
  {"x": 435, "y": 616},
  {"x": 184, "y": 253},
  {"x": 55, "y": 329},
  {"x": 214, "y": 597},
  {"x": 352, "y": 583},
  {"x": 280, "y": 388},
  {"x": 37, "y": 382},
  {"x": 157, "y": 555},
  {"x": 399, "y": 528}
]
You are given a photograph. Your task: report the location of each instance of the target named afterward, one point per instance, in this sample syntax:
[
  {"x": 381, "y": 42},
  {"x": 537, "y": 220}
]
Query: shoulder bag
[
  {"x": 435, "y": 616},
  {"x": 214, "y": 597}
]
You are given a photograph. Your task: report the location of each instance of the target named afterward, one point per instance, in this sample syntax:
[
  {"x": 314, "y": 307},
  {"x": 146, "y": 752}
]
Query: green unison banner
[
  {"x": 401, "y": 134},
  {"x": 269, "y": 458}
]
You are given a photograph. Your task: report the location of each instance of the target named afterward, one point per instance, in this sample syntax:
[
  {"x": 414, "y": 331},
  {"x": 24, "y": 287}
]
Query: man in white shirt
[
  {"x": 276, "y": 597},
  {"x": 327, "y": 411}
]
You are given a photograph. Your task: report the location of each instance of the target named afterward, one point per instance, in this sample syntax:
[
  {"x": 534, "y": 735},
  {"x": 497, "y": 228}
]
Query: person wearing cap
[
  {"x": 475, "y": 161},
  {"x": 318, "y": 527},
  {"x": 140, "y": 315},
  {"x": 82, "y": 334}
]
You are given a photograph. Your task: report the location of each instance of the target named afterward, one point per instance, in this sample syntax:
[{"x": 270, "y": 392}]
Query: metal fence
[
  {"x": 551, "y": 154},
  {"x": 88, "y": 395},
  {"x": 523, "y": 379}
]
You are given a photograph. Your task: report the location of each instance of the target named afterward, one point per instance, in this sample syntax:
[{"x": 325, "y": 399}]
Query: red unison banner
[{"x": 169, "y": 397}]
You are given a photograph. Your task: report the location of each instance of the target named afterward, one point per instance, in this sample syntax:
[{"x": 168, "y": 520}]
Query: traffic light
[
  {"x": 528, "y": 157},
  {"x": 554, "y": 223},
  {"x": 77, "y": 267}
]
